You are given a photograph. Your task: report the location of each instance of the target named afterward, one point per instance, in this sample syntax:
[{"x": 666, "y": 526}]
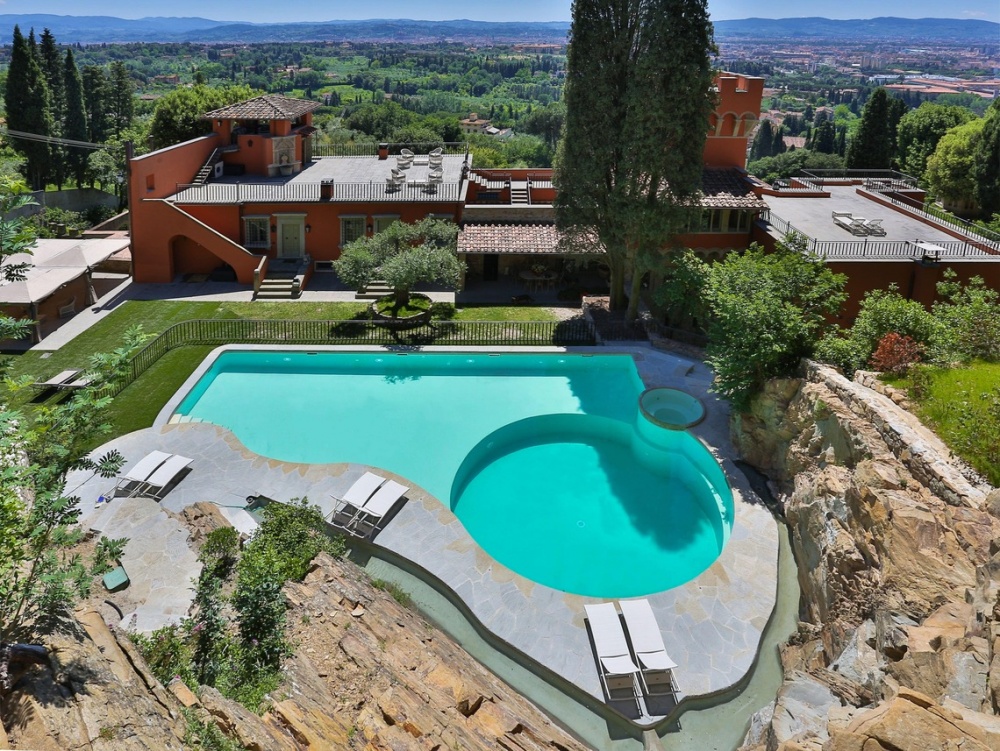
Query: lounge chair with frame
[
  {"x": 165, "y": 475},
  {"x": 356, "y": 496},
  {"x": 141, "y": 472},
  {"x": 369, "y": 516},
  {"x": 657, "y": 668},
  {"x": 619, "y": 674}
]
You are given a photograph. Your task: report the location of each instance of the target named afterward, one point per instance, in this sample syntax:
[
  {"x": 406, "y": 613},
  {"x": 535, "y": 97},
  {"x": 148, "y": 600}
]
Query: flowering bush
[{"x": 895, "y": 354}]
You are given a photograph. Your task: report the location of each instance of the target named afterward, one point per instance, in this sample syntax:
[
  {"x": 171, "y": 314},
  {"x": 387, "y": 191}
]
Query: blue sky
[{"x": 509, "y": 10}]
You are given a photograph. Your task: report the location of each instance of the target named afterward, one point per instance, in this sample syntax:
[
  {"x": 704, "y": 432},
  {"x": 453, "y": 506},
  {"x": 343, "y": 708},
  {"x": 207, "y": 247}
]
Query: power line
[{"x": 21, "y": 135}]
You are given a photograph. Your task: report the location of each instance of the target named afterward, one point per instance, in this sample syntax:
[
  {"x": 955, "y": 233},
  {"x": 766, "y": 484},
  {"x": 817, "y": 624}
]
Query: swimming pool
[{"x": 543, "y": 457}]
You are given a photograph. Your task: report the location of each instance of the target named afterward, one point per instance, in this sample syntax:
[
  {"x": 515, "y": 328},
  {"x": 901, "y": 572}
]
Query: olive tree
[{"x": 403, "y": 255}]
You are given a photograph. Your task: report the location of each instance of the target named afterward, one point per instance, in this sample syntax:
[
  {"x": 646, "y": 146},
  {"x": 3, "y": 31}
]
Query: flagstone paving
[{"x": 712, "y": 625}]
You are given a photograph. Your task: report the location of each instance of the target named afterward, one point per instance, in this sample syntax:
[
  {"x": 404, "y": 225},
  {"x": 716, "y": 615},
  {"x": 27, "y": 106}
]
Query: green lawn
[
  {"x": 137, "y": 405},
  {"x": 963, "y": 407}
]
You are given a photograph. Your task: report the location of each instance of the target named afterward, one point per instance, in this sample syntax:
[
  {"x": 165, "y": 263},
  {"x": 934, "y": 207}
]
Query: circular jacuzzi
[{"x": 671, "y": 408}]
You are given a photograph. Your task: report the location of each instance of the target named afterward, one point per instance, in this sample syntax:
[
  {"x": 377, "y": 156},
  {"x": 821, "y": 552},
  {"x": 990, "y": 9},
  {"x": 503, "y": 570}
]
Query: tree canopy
[
  {"x": 28, "y": 106},
  {"x": 178, "y": 115},
  {"x": 950, "y": 169},
  {"x": 403, "y": 255},
  {"x": 919, "y": 133},
  {"x": 766, "y": 312},
  {"x": 638, "y": 101},
  {"x": 986, "y": 165},
  {"x": 872, "y": 145}
]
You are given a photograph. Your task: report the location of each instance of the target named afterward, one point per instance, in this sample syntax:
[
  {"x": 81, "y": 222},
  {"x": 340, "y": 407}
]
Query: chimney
[
  {"x": 326, "y": 190},
  {"x": 383, "y": 151}
]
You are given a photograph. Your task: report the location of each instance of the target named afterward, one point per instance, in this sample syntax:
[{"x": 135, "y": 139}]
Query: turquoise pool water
[{"x": 544, "y": 458}]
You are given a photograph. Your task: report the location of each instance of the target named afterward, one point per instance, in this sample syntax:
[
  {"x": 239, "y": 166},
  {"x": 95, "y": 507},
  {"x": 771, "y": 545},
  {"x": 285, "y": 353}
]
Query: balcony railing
[
  {"x": 819, "y": 176},
  {"x": 320, "y": 149},
  {"x": 869, "y": 249},
  {"x": 303, "y": 192}
]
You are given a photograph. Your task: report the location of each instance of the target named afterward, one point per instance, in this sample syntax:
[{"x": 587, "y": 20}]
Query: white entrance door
[{"x": 290, "y": 238}]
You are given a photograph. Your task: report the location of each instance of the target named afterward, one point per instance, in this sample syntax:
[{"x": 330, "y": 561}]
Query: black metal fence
[{"x": 574, "y": 332}]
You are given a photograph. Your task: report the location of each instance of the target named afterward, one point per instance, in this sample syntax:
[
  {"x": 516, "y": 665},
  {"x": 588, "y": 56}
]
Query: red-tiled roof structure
[
  {"x": 266, "y": 107},
  {"x": 534, "y": 239},
  {"x": 727, "y": 189}
]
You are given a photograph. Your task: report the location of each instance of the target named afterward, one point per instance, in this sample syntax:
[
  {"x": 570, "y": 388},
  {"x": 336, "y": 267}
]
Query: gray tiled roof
[{"x": 267, "y": 107}]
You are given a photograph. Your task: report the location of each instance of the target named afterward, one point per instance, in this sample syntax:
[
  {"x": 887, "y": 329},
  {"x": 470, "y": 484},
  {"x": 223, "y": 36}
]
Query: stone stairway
[
  {"x": 376, "y": 289},
  {"x": 278, "y": 288}
]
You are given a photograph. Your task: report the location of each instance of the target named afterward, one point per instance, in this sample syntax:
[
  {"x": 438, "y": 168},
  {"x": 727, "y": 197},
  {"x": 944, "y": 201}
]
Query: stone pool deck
[{"x": 712, "y": 625}]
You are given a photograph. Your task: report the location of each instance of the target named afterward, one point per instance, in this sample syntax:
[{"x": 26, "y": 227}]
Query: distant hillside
[
  {"x": 886, "y": 28},
  {"x": 96, "y": 29}
]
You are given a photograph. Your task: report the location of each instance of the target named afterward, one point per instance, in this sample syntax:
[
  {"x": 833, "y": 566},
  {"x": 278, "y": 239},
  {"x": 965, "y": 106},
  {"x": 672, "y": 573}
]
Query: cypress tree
[
  {"x": 121, "y": 106},
  {"x": 824, "y": 138},
  {"x": 52, "y": 69},
  {"x": 76, "y": 118},
  {"x": 763, "y": 142},
  {"x": 27, "y": 102},
  {"x": 871, "y": 147},
  {"x": 95, "y": 97},
  {"x": 778, "y": 146},
  {"x": 638, "y": 102},
  {"x": 986, "y": 168}
]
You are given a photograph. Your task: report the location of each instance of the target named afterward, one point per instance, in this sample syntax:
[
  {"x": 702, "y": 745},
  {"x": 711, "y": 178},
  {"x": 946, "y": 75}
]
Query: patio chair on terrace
[
  {"x": 166, "y": 475},
  {"x": 58, "y": 379},
  {"x": 377, "y": 508},
  {"x": 619, "y": 675},
  {"x": 874, "y": 227},
  {"x": 356, "y": 496},
  {"x": 657, "y": 668},
  {"x": 141, "y": 472}
]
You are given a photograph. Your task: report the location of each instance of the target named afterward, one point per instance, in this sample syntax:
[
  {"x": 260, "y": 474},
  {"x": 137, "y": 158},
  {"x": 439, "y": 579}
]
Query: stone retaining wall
[{"x": 924, "y": 454}]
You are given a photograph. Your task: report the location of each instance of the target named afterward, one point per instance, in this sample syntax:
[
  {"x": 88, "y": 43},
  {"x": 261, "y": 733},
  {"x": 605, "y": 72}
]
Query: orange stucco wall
[{"x": 737, "y": 110}]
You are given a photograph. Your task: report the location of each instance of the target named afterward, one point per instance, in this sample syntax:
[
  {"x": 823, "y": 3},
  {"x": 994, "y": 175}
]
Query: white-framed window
[
  {"x": 351, "y": 228},
  {"x": 382, "y": 221},
  {"x": 256, "y": 232}
]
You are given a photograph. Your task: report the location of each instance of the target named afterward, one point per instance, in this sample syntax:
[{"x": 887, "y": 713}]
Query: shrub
[
  {"x": 167, "y": 653},
  {"x": 840, "y": 351},
  {"x": 970, "y": 319},
  {"x": 220, "y": 550},
  {"x": 895, "y": 354},
  {"x": 885, "y": 311}
]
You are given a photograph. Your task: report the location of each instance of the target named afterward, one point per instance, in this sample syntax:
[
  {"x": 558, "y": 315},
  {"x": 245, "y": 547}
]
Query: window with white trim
[
  {"x": 382, "y": 222},
  {"x": 256, "y": 232},
  {"x": 351, "y": 228}
]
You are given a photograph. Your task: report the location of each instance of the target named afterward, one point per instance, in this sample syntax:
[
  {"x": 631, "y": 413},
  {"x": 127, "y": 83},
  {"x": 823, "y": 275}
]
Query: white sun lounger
[
  {"x": 156, "y": 486},
  {"x": 59, "y": 379},
  {"x": 619, "y": 674},
  {"x": 357, "y": 495},
  {"x": 372, "y": 513},
  {"x": 657, "y": 667},
  {"x": 141, "y": 471}
]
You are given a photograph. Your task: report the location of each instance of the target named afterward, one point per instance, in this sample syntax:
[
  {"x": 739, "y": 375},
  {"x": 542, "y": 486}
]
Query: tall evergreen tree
[
  {"x": 638, "y": 102},
  {"x": 52, "y": 69},
  {"x": 897, "y": 108},
  {"x": 27, "y": 102},
  {"x": 778, "y": 147},
  {"x": 986, "y": 170},
  {"x": 763, "y": 142},
  {"x": 824, "y": 138},
  {"x": 871, "y": 147},
  {"x": 76, "y": 119},
  {"x": 121, "y": 104},
  {"x": 95, "y": 97}
]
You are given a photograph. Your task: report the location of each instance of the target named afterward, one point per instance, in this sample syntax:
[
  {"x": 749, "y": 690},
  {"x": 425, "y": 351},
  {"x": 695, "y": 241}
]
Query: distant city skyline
[{"x": 258, "y": 11}]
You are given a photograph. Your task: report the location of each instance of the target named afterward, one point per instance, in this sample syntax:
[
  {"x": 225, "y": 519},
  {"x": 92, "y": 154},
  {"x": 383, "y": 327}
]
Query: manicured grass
[
  {"x": 962, "y": 405},
  {"x": 503, "y": 313},
  {"x": 137, "y": 406}
]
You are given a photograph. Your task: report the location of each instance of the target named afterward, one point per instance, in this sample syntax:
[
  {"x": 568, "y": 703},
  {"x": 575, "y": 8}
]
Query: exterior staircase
[
  {"x": 376, "y": 289},
  {"x": 519, "y": 192},
  {"x": 208, "y": 168},
  {"x": 278, "y": 288}
]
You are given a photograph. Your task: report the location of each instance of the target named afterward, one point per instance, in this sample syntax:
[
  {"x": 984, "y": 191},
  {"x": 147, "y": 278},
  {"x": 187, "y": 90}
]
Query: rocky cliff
[
  {"x": 898, "y": 642},
  {"x": 369, "y": 673}
]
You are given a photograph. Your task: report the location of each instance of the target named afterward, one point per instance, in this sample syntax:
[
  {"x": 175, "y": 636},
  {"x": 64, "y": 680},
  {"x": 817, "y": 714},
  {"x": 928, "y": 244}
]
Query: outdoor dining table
[{"x": 535, "y": 281}]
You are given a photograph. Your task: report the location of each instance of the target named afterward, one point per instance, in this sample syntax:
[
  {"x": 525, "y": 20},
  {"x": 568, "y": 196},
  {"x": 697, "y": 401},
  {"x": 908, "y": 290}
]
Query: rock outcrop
[
  {"x": 898, "y": 570},
  {"x": 369, "y": 673}
]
